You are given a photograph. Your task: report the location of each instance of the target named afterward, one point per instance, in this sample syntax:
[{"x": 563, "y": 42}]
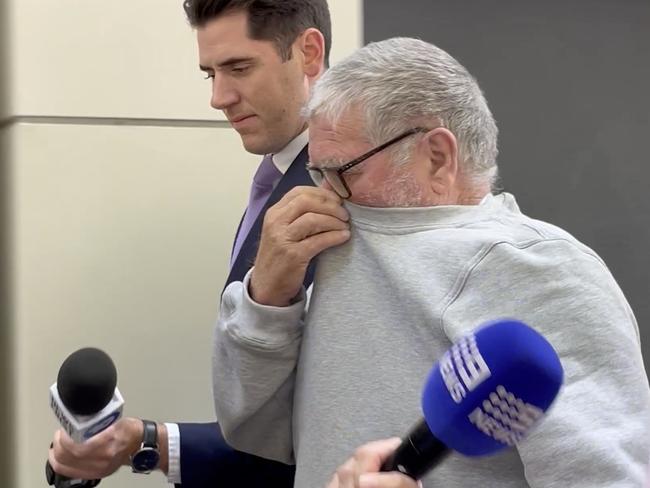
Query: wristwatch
[{"x": 146, "y": 459}]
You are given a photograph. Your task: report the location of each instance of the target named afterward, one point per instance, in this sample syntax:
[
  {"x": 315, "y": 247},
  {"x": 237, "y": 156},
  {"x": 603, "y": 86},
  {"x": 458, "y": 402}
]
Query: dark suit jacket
[{"x": 206, "y": 460}]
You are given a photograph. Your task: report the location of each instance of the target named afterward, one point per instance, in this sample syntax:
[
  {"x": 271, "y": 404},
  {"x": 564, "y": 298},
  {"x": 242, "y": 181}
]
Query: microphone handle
[
  {"x": 417, "y": 454},
  {"x": 60, "y": 481}
]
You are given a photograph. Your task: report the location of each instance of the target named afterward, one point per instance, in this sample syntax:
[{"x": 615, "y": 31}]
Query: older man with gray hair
[{"x": 414, "y": 250}]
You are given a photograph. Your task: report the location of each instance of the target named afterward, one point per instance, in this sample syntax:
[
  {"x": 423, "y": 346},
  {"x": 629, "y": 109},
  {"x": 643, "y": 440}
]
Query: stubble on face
[
  {"x": 278, "y": 103},
  {"x": 399, "y": 188}
]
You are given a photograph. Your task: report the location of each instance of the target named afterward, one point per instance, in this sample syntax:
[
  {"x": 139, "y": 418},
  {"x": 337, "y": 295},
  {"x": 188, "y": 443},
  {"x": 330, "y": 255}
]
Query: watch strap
[{"x": 150, "y": 434}]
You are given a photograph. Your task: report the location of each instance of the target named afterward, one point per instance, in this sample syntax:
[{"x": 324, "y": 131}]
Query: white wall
[{"x": 120, "y": 234}]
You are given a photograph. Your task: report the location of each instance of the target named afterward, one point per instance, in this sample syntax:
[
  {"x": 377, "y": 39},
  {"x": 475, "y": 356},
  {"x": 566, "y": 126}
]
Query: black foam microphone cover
[{"x": 86, "y": 381}]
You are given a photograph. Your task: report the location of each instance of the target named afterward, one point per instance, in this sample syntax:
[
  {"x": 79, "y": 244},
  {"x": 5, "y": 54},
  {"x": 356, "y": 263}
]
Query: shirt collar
[{"x": 286, "y": 156}]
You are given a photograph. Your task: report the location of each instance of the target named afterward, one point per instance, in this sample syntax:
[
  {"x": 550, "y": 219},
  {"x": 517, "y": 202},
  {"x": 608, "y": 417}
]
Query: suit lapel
[{"x": 296, "y": 175}]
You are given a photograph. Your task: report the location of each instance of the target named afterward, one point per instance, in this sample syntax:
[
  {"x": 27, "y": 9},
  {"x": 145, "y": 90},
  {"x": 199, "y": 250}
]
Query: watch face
[{"x": 146, "y": 459}]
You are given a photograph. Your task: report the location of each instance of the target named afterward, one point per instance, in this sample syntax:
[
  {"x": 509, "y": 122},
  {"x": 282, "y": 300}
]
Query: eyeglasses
[{"x": 334, "y": 175}]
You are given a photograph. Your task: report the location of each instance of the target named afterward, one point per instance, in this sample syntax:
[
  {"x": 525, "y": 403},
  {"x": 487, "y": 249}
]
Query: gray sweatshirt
[{"x": 311, "y": 382}]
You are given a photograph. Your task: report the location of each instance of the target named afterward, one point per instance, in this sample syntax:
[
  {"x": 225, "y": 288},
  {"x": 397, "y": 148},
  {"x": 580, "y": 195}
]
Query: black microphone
[
  {"x": 85, "y": 400},
  {"x": 485, "y": 394}
]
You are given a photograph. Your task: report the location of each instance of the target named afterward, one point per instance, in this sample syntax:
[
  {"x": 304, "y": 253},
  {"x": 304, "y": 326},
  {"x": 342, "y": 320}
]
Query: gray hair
[{"x": 400, "y": 83}]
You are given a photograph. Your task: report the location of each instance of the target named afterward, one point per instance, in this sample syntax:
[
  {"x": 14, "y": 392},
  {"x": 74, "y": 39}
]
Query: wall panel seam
[{"x": 110, "y": 121}]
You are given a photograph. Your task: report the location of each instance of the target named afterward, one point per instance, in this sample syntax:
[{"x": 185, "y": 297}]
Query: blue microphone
[{"x": 486, "y": 394}]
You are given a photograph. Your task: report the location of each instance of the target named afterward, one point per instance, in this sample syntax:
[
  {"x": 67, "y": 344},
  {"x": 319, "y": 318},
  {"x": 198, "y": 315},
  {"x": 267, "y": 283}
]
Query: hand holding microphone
[
  {"x": 86, "y": 401},
  {"x": 361, "y": 470},
  {"x": 101, "y": 455}
]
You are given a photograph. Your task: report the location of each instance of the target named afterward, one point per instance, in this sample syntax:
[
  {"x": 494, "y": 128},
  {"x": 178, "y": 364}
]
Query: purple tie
[{"x": 265, "y": 179}]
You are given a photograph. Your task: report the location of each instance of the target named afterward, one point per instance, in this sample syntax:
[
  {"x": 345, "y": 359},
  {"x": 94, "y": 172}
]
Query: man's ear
[
  {"x": 441, "y": 151},
  {"x": 311, "y": 44}
]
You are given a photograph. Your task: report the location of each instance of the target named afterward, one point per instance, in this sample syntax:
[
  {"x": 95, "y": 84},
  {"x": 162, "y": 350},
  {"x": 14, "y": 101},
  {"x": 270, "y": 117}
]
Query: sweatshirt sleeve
[
  {"x": 256, "y": 349},
  {"x": 597, "y": 433}
]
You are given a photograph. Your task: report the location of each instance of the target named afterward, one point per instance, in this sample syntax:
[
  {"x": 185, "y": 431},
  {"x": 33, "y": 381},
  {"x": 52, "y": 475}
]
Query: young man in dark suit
[{"x": 262, "y": 57}]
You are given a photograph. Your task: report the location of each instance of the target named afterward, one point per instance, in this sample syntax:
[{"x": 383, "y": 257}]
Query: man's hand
[
  {"x": 362, "y": 470},
  {"x": 104, "y": 453},
  {"x": 305, "y": 222}
]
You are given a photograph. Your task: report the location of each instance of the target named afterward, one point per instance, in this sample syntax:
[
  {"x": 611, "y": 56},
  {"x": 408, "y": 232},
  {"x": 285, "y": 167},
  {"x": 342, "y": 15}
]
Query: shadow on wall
[{"x": 6, "y": 354}]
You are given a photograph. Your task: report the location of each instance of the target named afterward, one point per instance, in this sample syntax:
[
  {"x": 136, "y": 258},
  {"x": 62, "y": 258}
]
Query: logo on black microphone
[
  {"x": 470, "y": 368},
  {"x": 102, "y": 424},
  {"x": 63, "y": 420},
  {"x": 504, "y": 417}
]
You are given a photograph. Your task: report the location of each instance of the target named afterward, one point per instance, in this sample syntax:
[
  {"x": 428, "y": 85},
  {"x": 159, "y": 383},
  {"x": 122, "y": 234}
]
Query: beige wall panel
[
  {"x": 347, "y": 27},
  {"x": 122, "y": 58},
  {"x": 121, "y": 238},
  {"x": 4, "y": 61},
  {"x": 6, "y": 331}
]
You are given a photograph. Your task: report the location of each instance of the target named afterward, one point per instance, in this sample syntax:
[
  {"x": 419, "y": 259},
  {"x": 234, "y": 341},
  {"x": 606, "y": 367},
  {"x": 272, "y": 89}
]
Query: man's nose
[{"x": 224, "y": 94}]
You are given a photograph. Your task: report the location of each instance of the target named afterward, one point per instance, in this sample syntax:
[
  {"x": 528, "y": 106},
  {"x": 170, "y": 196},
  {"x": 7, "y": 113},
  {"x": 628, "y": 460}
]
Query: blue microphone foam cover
[{"x": 491, "y": 388}]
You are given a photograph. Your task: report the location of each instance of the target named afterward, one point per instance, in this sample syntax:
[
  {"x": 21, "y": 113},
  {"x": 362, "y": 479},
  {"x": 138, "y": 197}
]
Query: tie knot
[{"x": 267, "y": 174}]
